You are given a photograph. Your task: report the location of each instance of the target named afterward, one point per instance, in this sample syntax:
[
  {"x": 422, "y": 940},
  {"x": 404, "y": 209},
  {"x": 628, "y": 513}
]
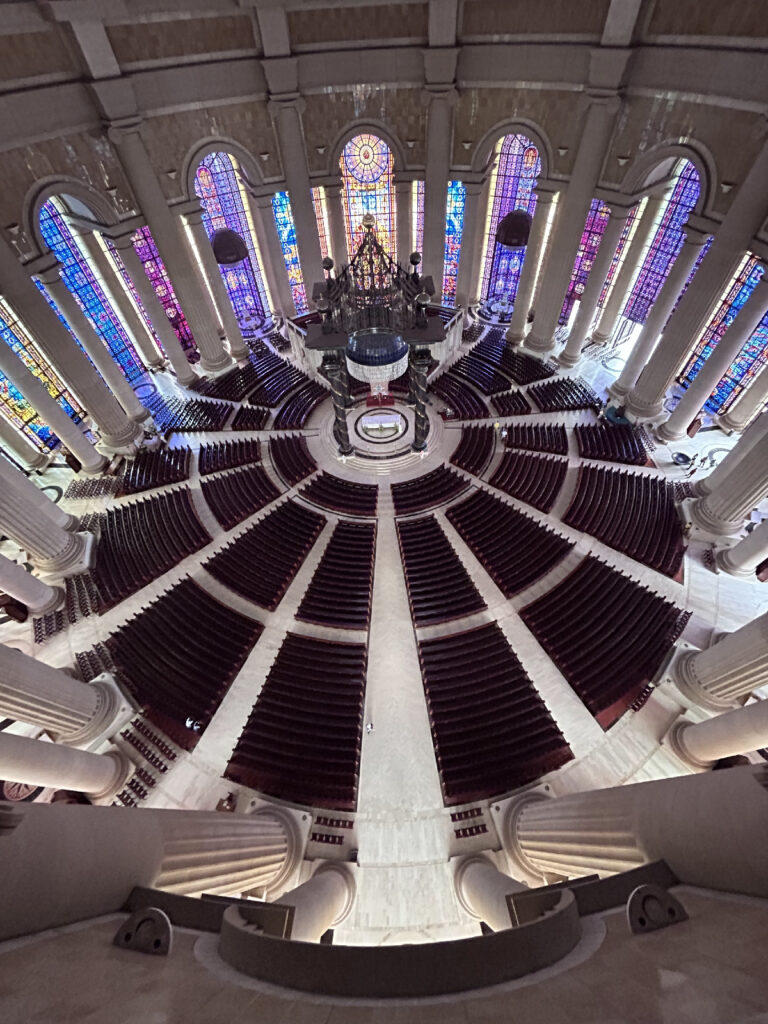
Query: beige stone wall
[
  {"x": 500, "y": 18},
  {"x": 161, "y": 40},
  {"x": 29, "y": 55},
  {"x": 748, "y": 18},
  {"x": 378, "y": 21}
]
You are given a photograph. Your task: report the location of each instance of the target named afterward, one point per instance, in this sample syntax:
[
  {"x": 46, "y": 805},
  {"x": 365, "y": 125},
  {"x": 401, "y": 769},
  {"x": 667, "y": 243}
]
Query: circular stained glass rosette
[{"x": 366, "y": 158}]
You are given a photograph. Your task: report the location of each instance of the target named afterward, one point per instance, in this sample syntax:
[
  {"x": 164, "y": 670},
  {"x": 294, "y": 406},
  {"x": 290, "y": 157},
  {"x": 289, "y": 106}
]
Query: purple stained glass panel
[
  {"x": 616, "y": 259},
  {"x": 418, "y": 218},
  {"x": 591, "y": 236},
  {"x": 366, "y": 165},
  {"x": 154, "y": 268},
  {"x": 454, "y": 226},
  {"x": 286, "y": 232}
]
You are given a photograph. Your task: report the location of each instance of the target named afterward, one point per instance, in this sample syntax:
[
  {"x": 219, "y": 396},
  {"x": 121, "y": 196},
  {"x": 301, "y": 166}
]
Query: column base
[
  {"x": 122, "y": 444},
  {"x": 114, "y": 710},
  {"x": 457, "y": 883},
  {"x": 727, "y": 425},
  {"x": 675, "y": 740},
  {"x": 73, "y": 523},
  {"x": 600, "y": 338},
  {"x": 140, "y": 416},
  {"x": 94, "y": 468},
  {"x": 643, "y": 412},
  {"x": 215, "y": 367},
  {"x": 617, "y": 390},
  {"x": 523, "y": 869},
  {"x": 724, "y": 564},
  {"x": 709, "y": 523},
  {"x": 514, "y": 337},
  {"x": 568, "y": 359},
  {"x": 293, "y": 854},
  {"x": 80, "y": 556},
  {"x": 540, "y": 346},
  {"x": 239, "y": 353},
  {"x": 682, "y": 675},
  {"x": 55, "y": 602},
  {"x": 345, "y": 871},
  {"x": 124, "y": 770},
  {"x": 185, "y": 379}
]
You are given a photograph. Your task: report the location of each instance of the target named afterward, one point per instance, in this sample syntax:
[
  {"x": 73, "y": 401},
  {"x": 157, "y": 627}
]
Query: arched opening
[{"x": 367, "y": 165}]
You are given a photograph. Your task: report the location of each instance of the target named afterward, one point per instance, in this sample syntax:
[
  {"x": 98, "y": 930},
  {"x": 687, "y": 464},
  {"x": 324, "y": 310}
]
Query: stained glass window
[
  {"x": 154, "y": 268},
  {"x": 366, "y": 172},
  {"x": 591, "y": 236},
  {"x": 665, "y": 245},
  {"x": 218, "y": 184},
  {"x": 90, "y": 293},
  {"x": 417, "y": 215},
  {"x": 286, "y": 231},
  {"x": 454, "y": 226},
  {"x": 517, "y": 169},
  {"x": 753, "y": 353},
  {"x": 13, "y": 405},
  {"x": 321, "y": 216},
  {"x": 702, "y": 253},
  {"x": 617, "y": 259}
]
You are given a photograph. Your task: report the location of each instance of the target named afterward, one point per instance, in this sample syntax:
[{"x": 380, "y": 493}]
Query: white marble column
[
  {"x": 286, "y": 113},
  {"x": 38, "y": 694},
  {"x": 756, "y": 431},
  {"x": 744, "y": 219},
  {"x": 17, "y": 444},
  {"x": 634, "y": 254},
  {"x": 743, "y": 558},
  {"x": 336, "y": 229},
  {"x": 320, "y": 903},
  {"x": 470, "y": 254},
  {"x": 441, "y": 100},
  {"x": 729, "y": 734},
  {"x": 14, "y": 480},
  {"x": 154, "y": 309},
  {"x": 482, "y": 891},
  {"x": 528, "y": 273},
  {"x": 595, "y": 281},
  {"x": 727, "y": 349},
  {"x": 171, "y": 244},
  {"x": 210, "y": 267},
  {"x": 659, "y": 314},
  {"x": 722, "y": 512},
  {"x": 404, "y": 219},
  {"x": 132, "y": 322},
  {"x": 38, "y": 597},
  {"x": 86, "y": 334},
  {"x": 593, "y": 145},
  {"x": 749, "y": 402},
  {"x": 273, "y": 262},
  {"x": 729, "y": 670},
  {"x": 117, "y": 431},
  {"x": 55, "y": 766}
]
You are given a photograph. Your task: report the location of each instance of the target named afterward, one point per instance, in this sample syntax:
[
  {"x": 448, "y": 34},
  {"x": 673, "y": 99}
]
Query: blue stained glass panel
[
  {"x": 454, "y": 226},
  {"x": 616, "y": 259},
  {"x": 591, "y": 236},
  {"x": 367, "y": 165},
  {"x": 286, "y": 231}
]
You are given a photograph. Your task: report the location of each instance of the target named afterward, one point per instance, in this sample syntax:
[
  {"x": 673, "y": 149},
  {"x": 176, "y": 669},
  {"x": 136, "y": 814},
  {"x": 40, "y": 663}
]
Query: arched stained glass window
[
  {"x": 618, "y": 257},
  {"x": 13, "y": 405},
  {"x": 90, "y": 292},
  {"x": 454, "y": 227},
  {"x": 321, "y": 216},
  {"x": 752, "y": 355},
  {"x": 514, "y": 178},
  {"x": 366, "y": 165},
  {"x": 286, "y": 231},
  {"x": 665, "y": 245},
  {"x": 218, "y": 184},
  {"x": 591, "y": 236}
]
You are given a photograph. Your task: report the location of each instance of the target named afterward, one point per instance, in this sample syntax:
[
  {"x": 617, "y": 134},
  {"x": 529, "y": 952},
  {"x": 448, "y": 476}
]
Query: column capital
[
  {"x": 286, "y": 101},
  {"x": 694, "y": 237},
  {"x": 119, "y": 130},
  {"x": 445, "y": 92},
  {"x": 45, "y": 268},
  {"x": 192, "y": 212}
]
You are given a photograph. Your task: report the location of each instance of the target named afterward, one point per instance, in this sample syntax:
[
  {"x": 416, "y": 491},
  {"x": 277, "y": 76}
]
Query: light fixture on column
[
  {"x": 112, "y": 191},
  {"x": 622, "y": 161},
  {"x": 410, "y": 143},
  {"x": 172, "y": 174},
  {"x": 13, "y": 230},
  {"x": 467, "y": 143},
  {"x": 264, "y": 156},
  {"x": 320, "y": 150},
  {"x": 562, "y": 150},
  {"x": 727, "y": 186}
]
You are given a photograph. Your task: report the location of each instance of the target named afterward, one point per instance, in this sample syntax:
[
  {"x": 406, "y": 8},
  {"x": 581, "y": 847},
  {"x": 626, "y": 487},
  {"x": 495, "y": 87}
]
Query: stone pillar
[
  {"x": 154, "y": 309},
  {"x": 404, "y": 218},
  {"x": 743, "y": 220},
  {"x": 528, "y": 273},
  {"x": 591, "y": 295},
  {"x": 50, "y": 548},
  {"x": 61, "y": 350},
  {"x": 14, "y": 480},
  {"x": 744, "y": 558},
  {"x": 86, "y": 334},
  {"x": 336, "y": 229},
  {"x": 658, "y": 315},
  {"x": 273, "y": 263},
  {"x": 727, "y": 349},
  {"x": 470, "y": 254},
  {"x": 749, "y": 403},
  {"x": 210, "y": 268},
  {"x": 38, "y": 694},
  {"x": 321, "y": 903},
  {"x": 593, "y": 145},
  {"x": 634, "y": 255},
  {"x": 731, "y": 669},
  {"x": 340, "y": 397},
  {"x": 419, "y": 367},
  {"x": 133, "y": 324},
  {"x": 723, "y": 511},
  {"x": 753, "y": 435},
  {"x": 482, "y": 891},
  {"x": 39, "y": 597},
  {"x": 286, "y": 113},
  {"x": 55, "y": 766},
  {"x": 441, "y": 99},
  {"x": 741, "y": 731},
  {"x": 544, "y": 265},
  {"x": 171, "y": 244},
  {"x": 709, "y": 828},
  {"x": 17, "y": 444}
]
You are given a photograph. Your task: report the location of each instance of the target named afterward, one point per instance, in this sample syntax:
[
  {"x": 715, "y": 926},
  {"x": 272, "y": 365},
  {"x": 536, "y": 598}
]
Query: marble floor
[{"x": 402, "y": 832}]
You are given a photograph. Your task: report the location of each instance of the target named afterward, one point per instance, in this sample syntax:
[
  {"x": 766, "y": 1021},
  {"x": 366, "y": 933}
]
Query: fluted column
[
  {"x": 404, "y": 218},
  {"x": 286, "y": 113},
  {"x": 727, "y": 349},
  {"x": 743, "y": 558},
  {"x": 753, "y": 435},
  {"x": 419, "y": 368},
  {"x": 17, "y": 444},
  {"x": 55, "y": 766},
  {"x": 710, "y": 828},
  {"x": 591, "y": 294},
  {"x": 659, "y": 314},
  {"x": 210, "y": 268},
  {"x": 320, "y": 903},
  {"x": 729, "y": 734},
  {"x": 339, "y": 396},
  {"x": 171, "y": 244},
  {"x": 38, "y": 597},
  {"x": 749, "y": 402},
  {"x": 61, "y": 350},
  {"x": 133, "y": 324},
  {"x": 482, "y": 891},
  {"x": 593, "y": 145},
  {"x": 731, "y": 669},
  {"x": 338, "y": 239},
  {"x": 743, "y": 220},
  {"x": 154, "y": 309},
  {"x": 722, "y": 512},
  {"x": 441, "y": 99},
  {"x": 630, "y": 266},
  {"x": 470, "y": 254},
  {"x": 273, "y": 263},
  {"x": 528, "y": 273},
  {"x": 86, "y": 334},
  {"x": 14, "y": 480}
]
